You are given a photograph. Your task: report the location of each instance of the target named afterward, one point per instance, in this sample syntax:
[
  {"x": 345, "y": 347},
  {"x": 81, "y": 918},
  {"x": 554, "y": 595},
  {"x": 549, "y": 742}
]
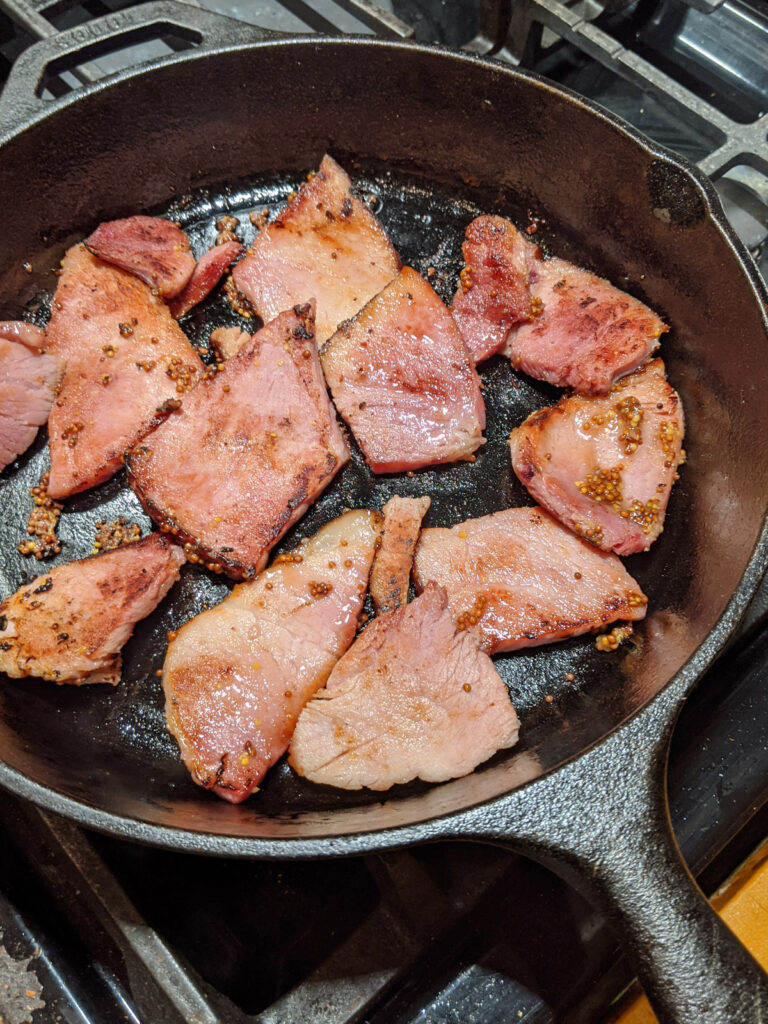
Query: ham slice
[
  {"x": 327, "y": 245},
  {"x": 209, "y": 270},
  {"x": 70, "y": 625},
  {"x": 237, "y": 676},
  {"x": 248, "y": 452},
  {"x": 28, "y": 383},
  {"x": 412, "y": 698},
  {"x": 521, "y": 579},
  {"x": 125, "y": 358},
  {"x": 391, "y": 571},
  {"x": 494, "y": 291},
  {"x": 605, "y": 466},
  {"x": 403, "y": 380},
  {"x": 226, "y": 341},
  {"x": 155, "y": 250},
  {"x": 585, "y": 334}
]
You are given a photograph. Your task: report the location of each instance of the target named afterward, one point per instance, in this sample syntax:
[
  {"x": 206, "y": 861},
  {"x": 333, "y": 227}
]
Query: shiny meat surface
[
  {"x": 585, "y": 334},
  {"x": 325, "y": 245},
  {"x": 493, "y": 294},
  {"x": 124, "y": 358},
  {"x": 228, "y": 340},
  {"x": 403, "y": 380},
  {"x": 28, "y": 381},
  {"x": 391, "y": 571},
  {"x": 209, "y": 270},
  {"x": 520, "y": 579},
  {"x": 70, "y": 624},
  {"x": 25, "y": 334},
  {"x": 250, "y": 449},
  {"x": 154, "y": 250},
  {"x": 412, "y": 698},
  {"x": 237, "y": 676},
  {"x": 605, "y": 466}
]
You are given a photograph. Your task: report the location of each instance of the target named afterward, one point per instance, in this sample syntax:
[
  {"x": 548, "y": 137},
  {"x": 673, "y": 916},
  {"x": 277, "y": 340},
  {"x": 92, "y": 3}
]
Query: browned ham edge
[
  {"x": 391, "y": 571},
  {"x": 70, "y": 624},
  {"x": 154, "y": 250},
  {"x": 209, "y": 270}
]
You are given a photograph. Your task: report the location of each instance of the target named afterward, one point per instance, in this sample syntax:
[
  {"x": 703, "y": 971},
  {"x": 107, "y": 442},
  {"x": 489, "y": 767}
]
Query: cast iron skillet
[{"x": 437, "y": 137}]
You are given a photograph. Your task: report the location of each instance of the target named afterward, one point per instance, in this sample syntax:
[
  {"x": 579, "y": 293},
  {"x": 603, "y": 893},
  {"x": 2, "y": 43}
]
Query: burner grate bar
[{"x": 382, "y": 22}]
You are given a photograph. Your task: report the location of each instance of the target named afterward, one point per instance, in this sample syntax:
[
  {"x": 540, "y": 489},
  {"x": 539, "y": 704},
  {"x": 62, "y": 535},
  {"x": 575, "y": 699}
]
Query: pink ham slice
[
  {"x": 248, "y": 452},
  {"x": 327, "y": 245},
  {"x": 403, "y": 380},
  {"x": 494, "y": 293},
  {"x": 70, "y": 625},
  {"x": 209, "y": 270},
  {"x": 28, "y": 382},
  {"x": 585, "y": 333},
  {"x": 155, "y": 250},
  {"x": 124, "y": 357},
  {"x": 605, "y": 466},
  {"x": 521, "y": 579},
  {"x": 237, "y": 676},
  {"x": 391, "y": 571},
  {"x": 412, "y": 698}
]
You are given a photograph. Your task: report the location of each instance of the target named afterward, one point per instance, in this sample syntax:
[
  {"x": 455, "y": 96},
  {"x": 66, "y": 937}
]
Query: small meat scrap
[
  {"x": 494, "y": 294},
  {"x": 209, "y": 270},
  {"x": 226, "y": 341},
  {"x": 42, "y": 523},
  {"x": 125, "y": 358},
  {"x": 413, "y": 697},
  {"x": 237, "y": 676},
  {"x": 325, "y": 245},
  {"x": 248, "y": 452},
  {"x": 28, "y": 382},
  {"x": 519, "y": 579},
  {"x": 403, "y": 380},
  {"x": 585, "y": 333},
  {"x": 113, "y": 535},
  {"x": 155, "y": 250},
  {"x": 70, "y": 625},
  {"x": 392, "y": 565},
  {"x": 605, "y": 466}
]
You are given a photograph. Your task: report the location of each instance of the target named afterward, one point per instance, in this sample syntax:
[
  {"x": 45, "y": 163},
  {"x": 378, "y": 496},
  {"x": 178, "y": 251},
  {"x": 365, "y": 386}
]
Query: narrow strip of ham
[
  {"x": 493, "y": 295},
  {"x": 520, "y": 579},
  {"x": 391, "y": 571},
  {"x": 209, "y": 270},
  {"x": 125, "y": 358},
  {"x": 325, "y": 245},
  {"x": 412, "y": 698},
  {"x": 605, "y": 466},
  {"x": 237, "y": 676},
  {"x": 28, "y": 382},
  {"x": 156, "y": 251},
  {"x": 585, "y": 334},
  {"x": 403, "y": 380},
  {"x": 70, "y": 624},
  {"x": 248, "y": 452}
]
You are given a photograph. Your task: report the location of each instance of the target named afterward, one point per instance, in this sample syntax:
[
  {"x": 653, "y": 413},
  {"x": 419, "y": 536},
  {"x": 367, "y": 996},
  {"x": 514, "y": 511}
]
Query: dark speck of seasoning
[
  {"x": 3, "y": 622},
  {"x": 5, "y": 646},
  {"x": 43, "y": 586},
  {"x": 346, "y": 207},
  {"x": 62, "y": 637}
]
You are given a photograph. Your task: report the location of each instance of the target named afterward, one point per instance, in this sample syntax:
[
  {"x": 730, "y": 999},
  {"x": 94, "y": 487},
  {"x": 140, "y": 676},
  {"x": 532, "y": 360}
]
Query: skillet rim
[{"x": 459, "y": 822}]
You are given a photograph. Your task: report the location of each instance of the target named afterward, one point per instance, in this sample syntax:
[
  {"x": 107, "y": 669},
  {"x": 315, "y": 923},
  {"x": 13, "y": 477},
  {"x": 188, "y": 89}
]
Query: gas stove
[{"x": 95, "y": 929}]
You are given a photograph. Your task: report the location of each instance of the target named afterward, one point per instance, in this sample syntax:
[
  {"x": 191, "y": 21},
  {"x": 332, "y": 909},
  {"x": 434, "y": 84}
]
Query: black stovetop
[{"x": 100, "y": 930}]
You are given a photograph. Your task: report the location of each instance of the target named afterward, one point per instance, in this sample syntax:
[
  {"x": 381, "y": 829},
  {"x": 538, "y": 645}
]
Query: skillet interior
[{"x": 464, "y": 137}]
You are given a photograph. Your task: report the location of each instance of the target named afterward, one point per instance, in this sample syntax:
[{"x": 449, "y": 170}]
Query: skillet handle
[
  {"x": 74, "y": 47},
  {"x": 602, "y": 822}
]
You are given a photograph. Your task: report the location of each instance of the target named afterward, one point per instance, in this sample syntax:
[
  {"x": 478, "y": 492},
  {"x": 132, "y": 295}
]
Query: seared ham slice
[
  {"x": 155, "y": 250},
  {"x": 28, "y": 382},
  {"x": 585, "y": 333},
  {"x": 521, "y": 579},
  {"x": 248, "y": 452},
  {"x": 391, "y": 571},
  {"x": 325, "y": 245},
  {"x": 70, "y": 625},
  {"x": 209, "y": 270},
  {"x": 237, "y": 676},
  {"x": 493, "y": 294},
  {"x": 125, "y": 359},
  {"x": 403, "y": 380},
  {"x": 412, "y": 698},
  {"x": 605, "y": 466}
]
